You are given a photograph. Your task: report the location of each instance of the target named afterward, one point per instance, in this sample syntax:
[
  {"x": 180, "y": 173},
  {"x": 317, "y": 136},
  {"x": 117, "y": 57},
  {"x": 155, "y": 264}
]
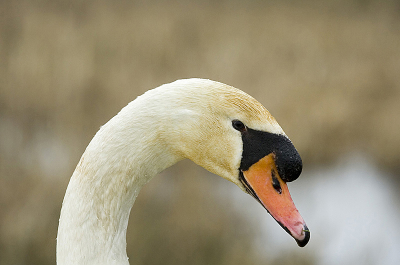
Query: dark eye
[{"x": 238, "y": 125}]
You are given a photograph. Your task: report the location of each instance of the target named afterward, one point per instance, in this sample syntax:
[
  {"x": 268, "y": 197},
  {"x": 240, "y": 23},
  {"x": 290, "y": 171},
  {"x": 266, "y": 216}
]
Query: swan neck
[{"x": 119, "y": 160}]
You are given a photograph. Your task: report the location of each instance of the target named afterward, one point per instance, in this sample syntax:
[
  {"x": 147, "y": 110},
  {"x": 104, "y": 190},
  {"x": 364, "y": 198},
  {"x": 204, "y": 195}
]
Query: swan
[{"x": 218, "y": 127}]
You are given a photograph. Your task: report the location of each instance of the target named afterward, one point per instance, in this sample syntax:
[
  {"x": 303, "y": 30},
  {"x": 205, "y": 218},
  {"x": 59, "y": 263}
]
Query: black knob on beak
[
  {"x": 288, "y": 160},
  {"x": 258, "y": 144}
]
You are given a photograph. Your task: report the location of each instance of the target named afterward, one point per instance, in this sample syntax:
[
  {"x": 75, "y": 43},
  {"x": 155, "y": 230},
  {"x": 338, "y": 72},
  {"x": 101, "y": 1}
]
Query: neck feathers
[{"x": 123, "y": 156}]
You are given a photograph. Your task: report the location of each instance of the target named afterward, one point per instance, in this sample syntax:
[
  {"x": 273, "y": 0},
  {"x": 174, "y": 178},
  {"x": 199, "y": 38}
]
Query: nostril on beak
[{"x": 275, "y": 182}]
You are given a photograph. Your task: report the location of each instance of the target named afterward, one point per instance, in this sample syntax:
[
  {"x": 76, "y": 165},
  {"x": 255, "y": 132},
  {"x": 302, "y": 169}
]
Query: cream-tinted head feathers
[{"x": 200, "y": 127}]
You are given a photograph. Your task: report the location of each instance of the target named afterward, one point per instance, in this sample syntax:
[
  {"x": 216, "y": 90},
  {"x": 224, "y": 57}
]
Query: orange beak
[{"x": 263, "y": 182}]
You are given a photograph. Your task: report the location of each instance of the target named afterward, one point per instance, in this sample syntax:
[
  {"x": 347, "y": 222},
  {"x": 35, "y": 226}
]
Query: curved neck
[
  {"x": 123, "y": 156},
  {"x": 184, "y": 119}
]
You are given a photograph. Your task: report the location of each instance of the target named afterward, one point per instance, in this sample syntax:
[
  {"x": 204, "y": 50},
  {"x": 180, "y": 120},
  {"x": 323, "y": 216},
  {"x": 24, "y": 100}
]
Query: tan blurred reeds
[{"x": 329, "y": 73}]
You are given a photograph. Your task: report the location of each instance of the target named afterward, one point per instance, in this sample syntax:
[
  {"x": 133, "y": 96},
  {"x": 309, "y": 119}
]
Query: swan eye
[{"x": 238, "y": 125}]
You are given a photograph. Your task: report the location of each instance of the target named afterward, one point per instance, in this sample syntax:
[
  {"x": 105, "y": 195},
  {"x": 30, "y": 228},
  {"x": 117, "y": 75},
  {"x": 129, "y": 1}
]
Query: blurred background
[{"x": 329, "y": 71}]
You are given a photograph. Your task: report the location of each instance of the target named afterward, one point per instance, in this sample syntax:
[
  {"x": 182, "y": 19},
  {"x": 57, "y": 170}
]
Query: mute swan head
[
  {"x": 218, "y": 127},
  {"x": 231, "y": 134}
]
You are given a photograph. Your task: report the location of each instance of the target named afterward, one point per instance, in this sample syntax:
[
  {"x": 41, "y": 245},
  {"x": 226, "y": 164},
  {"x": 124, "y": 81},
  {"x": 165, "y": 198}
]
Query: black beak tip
[{"x": 302, "y": 243}]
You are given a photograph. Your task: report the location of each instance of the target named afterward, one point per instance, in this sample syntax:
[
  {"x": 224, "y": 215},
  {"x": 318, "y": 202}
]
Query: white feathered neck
[{"x": 151, "y": 133}]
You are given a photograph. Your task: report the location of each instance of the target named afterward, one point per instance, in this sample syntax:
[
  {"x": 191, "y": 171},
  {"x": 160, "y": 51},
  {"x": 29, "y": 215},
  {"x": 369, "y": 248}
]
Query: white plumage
[{"x": 189, "y": 118}]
